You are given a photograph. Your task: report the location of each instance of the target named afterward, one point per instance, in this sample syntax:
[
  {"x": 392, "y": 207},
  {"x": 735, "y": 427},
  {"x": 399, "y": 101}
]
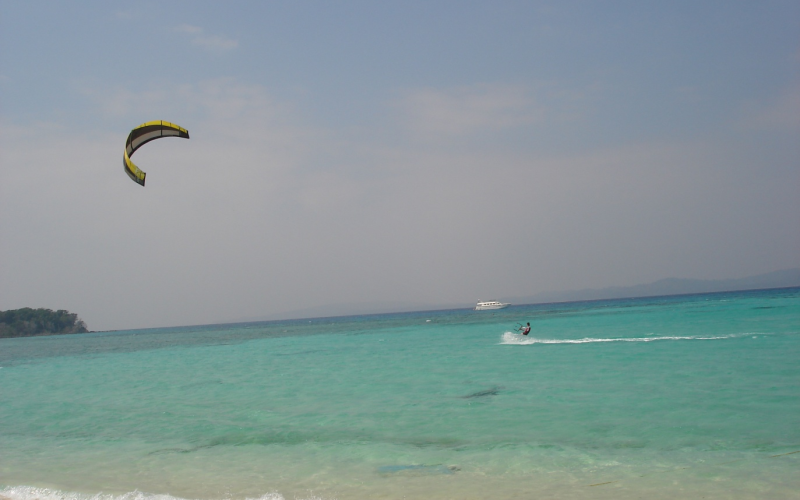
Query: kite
[{"x": 143, "y": 134}]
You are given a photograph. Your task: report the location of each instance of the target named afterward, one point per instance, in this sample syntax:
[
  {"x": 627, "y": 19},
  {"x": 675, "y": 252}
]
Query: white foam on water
[
  {"x": 34, "y": 493},
  {"x": 511, "y": 338}
]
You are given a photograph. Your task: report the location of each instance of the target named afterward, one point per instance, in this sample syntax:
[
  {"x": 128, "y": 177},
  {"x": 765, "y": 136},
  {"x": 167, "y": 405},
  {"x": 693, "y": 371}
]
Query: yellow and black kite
[{"x": 143, "y": 134}]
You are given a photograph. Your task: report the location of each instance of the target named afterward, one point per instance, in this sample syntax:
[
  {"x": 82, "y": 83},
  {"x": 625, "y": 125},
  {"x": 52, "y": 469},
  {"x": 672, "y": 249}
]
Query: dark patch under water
[{"x": 494, "y": 391}]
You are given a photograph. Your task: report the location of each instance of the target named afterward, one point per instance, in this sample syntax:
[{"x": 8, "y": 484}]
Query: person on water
[{"x": 525, "y": 329}]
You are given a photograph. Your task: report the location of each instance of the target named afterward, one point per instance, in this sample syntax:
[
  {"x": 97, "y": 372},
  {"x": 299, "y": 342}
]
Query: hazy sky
[{"x": 431, "y": 153}]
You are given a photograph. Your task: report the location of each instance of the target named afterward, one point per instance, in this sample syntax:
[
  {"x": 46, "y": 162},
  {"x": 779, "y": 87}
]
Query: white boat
[{"x": 486, "y": 305}]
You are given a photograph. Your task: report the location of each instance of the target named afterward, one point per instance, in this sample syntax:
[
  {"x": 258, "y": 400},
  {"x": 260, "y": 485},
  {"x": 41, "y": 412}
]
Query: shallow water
[{"x": 691, "y": 396}]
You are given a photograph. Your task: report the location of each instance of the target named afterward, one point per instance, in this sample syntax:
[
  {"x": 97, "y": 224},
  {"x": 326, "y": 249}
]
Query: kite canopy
[{"x": 143, "y": 134}]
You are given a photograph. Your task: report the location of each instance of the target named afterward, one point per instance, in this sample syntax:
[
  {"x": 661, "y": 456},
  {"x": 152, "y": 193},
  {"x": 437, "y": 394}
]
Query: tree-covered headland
[{"x": 27, "y": 322}]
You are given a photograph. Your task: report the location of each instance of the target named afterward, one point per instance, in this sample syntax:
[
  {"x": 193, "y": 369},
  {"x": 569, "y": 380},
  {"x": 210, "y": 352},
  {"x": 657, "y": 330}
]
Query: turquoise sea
[{"x": 672, "y": 397}]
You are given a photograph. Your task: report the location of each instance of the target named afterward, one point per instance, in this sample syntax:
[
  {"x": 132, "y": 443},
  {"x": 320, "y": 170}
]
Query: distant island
[
  {"x": 27, "y": 322},
  {"x": 671, "y": 286}
]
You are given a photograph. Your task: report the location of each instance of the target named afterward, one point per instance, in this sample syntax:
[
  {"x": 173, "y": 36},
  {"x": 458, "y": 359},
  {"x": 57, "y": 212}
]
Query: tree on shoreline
[{"x": 27, "y": 322}]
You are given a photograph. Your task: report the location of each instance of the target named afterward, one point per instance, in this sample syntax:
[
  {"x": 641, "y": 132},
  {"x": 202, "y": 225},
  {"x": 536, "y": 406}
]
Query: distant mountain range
[{"x": 669, "y": 286}]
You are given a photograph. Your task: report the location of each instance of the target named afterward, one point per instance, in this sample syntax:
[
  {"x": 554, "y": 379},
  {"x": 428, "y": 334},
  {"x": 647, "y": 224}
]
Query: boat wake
[{"x": 511, "y": 338}]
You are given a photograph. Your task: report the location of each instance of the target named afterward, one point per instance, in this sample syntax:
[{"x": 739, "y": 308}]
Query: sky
[{"x": 367, "y": 156}]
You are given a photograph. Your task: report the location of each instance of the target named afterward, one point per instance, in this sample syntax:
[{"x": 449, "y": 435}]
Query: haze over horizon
[
  {"x": 786, "y": 278},
  {"x": 426, "y": 152}
]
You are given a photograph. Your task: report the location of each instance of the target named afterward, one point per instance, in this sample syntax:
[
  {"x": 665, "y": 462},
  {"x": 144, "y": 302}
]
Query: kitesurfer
[{"x": 525, "y": 329}]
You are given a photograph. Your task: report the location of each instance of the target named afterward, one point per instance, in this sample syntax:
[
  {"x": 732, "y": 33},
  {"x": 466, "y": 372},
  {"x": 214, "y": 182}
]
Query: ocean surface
[{"x": 672, "y": 397}]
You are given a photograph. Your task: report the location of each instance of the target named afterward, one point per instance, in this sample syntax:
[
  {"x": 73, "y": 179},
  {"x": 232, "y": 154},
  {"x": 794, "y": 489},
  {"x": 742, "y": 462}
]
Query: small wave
[
  {"x": 419, "y": 469},
  {"x": 33, "y": 493},
  {"x": 511, "y": 338}
]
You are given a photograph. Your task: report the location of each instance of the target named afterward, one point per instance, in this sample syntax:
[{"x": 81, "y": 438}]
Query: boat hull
[{"x": 490, "y": 307}]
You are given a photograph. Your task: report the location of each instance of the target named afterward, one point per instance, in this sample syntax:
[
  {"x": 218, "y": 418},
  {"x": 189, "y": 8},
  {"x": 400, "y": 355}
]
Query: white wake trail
[{"x": 511, "y": 338}]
